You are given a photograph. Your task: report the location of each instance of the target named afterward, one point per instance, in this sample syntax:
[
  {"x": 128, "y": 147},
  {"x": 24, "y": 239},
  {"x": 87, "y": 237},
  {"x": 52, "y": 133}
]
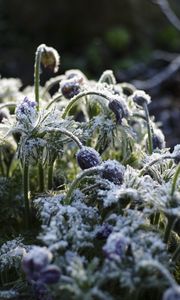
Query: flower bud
[
  {"x": 172, "y": 293},
  {"x": 70, "y": 88},
  {"x": 88, "y": 157},
  {"x": 158, "y": 139},
  {"x": 119, "y": 108},
  {"x": 50, "y": 274},
  {"x": 36, "y": 260},
  {"x": 50, "y": 58},
  {"x": 104, "y": 231},
  {"x": 113, "y": 171},
  {"x": 140, "y": 97},
  {"x": 116, "y": 246}
]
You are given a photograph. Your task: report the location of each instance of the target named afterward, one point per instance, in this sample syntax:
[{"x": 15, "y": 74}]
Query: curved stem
[
  {"x": 68, "y": 133},
  {"x": 154, "y": 162},
  {"x": 107, "y": 76},
  {"x": 76, "y": 98},
  {"x": 55, "y": 99},
  {"x": 150, "y": 143},
  {"x": 37, "y": 73},
  {"x": 80, "y": 176},
  {"x": 170, "y": 225},
  {"x": 160, "y": 268},
  {"x": 50, "y": 176},
  {"x": 26, "y": 192},
  {"x": 41, "y": 178},
  {"x": 175, "y": 178},
  {"x": 8, "y": 104}
]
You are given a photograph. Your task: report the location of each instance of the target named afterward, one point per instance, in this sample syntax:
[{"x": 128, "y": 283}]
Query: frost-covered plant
[{"x": 85, "y": 178}]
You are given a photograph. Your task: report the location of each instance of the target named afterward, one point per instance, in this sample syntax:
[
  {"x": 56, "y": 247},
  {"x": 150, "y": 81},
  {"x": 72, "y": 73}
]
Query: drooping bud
[
  {"x": 158, "y": 139},
  {"x": 119, "y": 108},
  {"x": 113, "y": 171},
  {"x": 140, "y": 97},
  {"x": 50, "y": 274},
  {"x": 116, "y": 246},
  {"x": 50, "y": 58},
  {"x": 88, "y": 157},
  {"x": 70, "y": 87},
  {"x": 3, "y": 115},
  {"x": 172, "y": 293}
]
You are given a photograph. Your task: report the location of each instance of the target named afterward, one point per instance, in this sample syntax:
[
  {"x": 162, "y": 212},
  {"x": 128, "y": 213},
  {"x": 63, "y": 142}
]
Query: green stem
[
  {"x": 79, "y": 177},
  {"x": 68, "y": 133},
  {"x": 26, "y": 193},
  {"x": 176, "y": 254},
  {"x": 83, "y": 94},
  {"x": 175, "y": 178},
  {"x": 37, "y": 66},
  {"x": 50, "y": 176},
  {"x": 8, "y": 104},
  {"x": 41, "y": 178},
  {"x": 160, "y": 268},
  {"x": 156, "y": 218},
  {"x": 55, "y": 99},
  {"x": 150, "y": 144},
  {"x": 169, "y": 227}
]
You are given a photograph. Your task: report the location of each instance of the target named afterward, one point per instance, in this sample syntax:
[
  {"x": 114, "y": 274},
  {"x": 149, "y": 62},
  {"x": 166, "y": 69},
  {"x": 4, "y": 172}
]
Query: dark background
[{"x": 122, "y": 35}]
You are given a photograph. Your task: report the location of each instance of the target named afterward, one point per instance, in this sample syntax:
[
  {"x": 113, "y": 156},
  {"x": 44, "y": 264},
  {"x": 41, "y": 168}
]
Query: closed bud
[
  {"x": 50, "y": 274},
  {"x": 113, "y": 171},
  {"x": 119, "y": 108},
  {"x": 172, "y": 293},
  {"x": 158, "y": 139},
  {"x": 50, "y": 58},
  {"x": 88, "y": 157},
  {"x": 70, "y": 87},
  {"x": 141, "y": 98}
]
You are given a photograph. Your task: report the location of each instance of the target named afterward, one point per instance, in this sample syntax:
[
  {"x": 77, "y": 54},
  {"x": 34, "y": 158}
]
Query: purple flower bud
[
  {"x": 70, "y": 88},
  {"x": 104, "y": 231},
  {"x": 119, "y": 108},
  {"x": 50, "y": 274},
  {"x": 116, "y": 246},
  {"x": 113, "y": 171},
  {"x": 140, "y": 97},
  {"x": 172, "y": 293},
  {"x": 77, "y": 75},
  {"x": 25, "y": 108},
  {"x": 88, "y": 157},
  {"x": 158, "y": 140},
  {"x": 36, "y": 260}
]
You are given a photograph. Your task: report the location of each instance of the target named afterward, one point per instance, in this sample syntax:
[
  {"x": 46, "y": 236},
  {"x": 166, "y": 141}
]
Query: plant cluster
[{"x": 90, "y": 196}]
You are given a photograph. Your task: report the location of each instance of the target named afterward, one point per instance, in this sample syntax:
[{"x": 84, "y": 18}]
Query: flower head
[
  {"x": 88, "y": 157},
  {"x": 140, "y": 97},
  {"x": 50, "y": 58},
  {"x": 113, "y": 171},
  {"x": 116, "y": 246}
]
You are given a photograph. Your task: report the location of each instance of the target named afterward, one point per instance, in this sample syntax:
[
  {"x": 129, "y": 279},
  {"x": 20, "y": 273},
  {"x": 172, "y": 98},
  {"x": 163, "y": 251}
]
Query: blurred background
[{"x": 138, "y": 39}]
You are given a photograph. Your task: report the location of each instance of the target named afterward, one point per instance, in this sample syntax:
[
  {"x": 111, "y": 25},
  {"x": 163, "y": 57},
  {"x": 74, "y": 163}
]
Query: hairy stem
[
  {"x": 169, "y": 227},
  {"x": 160, "y": 268},
  {"x": 41, "y": 177},
  {"x": 26, "y": 193},
  {"x": 50, "y": 176},
  {"x": 79, "y": 177},
  {"x": 68, "y": 133},
  {"x": 54, "y": 100},
  {"x": 175, "y": 178},
  {"x": 81, "y": 95},
  {"x": 37, "y": 66},
  {"x": 143, "y": 171},
  {"x": 150, "y": 144}
]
